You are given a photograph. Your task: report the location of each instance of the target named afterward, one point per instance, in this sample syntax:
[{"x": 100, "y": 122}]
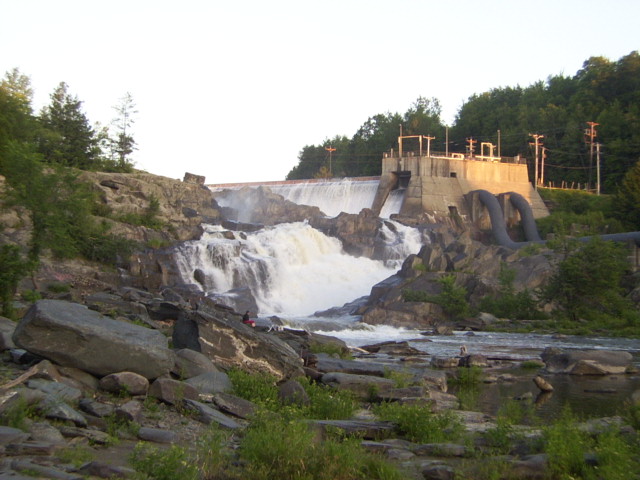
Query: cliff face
[{"x": 182, "y": 205}]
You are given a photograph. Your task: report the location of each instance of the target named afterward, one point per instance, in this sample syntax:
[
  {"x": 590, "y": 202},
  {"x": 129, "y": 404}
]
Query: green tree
[
  {"x": 452, "y": 298},
  {"x": 627, "y": 199},
  {"x": 67, "y": 138},
  {"x": 123, "y": 144},
  {"x": 16, "y": 119},
  {"x": 588, "y": 280},
  {"x": 12, "y": 268}
]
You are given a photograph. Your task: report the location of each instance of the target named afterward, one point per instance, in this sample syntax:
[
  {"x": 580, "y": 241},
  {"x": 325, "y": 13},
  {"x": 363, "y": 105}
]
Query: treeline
[
  {"x": 603, "y": 92},
  {"x": 40, "y": 157},
  {"x": 61, "y": 133}
]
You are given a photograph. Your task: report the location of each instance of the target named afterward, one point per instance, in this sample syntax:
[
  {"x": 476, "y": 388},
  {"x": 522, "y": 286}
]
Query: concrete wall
[{"x": 438, "y": 184}]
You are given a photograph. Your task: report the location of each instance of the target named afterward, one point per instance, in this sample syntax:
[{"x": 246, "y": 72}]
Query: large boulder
[
  {"x": 230, "y": 343},
  {"x": 586, "y": 362},
  {"x": 71, "y": 335}
]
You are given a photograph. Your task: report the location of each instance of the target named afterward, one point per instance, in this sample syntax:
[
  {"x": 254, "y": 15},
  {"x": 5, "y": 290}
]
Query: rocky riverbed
[{"x": 159, "y": 363}]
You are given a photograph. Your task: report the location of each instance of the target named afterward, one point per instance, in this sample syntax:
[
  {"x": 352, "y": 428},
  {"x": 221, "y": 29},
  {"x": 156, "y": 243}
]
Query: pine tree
[{"x": 67, "y": 137}]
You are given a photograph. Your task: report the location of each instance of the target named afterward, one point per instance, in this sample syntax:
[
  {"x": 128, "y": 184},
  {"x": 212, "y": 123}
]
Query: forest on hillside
[{"x": 563, "y": 110}]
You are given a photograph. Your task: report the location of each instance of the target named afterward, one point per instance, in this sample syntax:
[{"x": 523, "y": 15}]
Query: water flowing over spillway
[
  {"x": 292, "y": 269},
  {"x": 332, "y": 197}
]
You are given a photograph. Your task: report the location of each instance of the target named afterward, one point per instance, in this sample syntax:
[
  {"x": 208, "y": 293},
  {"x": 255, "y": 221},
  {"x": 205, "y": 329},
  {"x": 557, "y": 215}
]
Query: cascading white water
[
  {"x": 292, "y": 269},
  {"x": 332, "y": 197}
]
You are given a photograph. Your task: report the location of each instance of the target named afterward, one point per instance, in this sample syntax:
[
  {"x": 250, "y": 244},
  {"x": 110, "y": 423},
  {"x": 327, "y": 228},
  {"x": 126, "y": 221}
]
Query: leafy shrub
[
  {"x": 326, "y": 403},
  {"x": 260, "y": 389},
  {"x": 172, "y": 463},
  {"x": 12, "y": 269},
  {"x": 277, "y": 447},
  {"x": 17, "y": 414},
  {"x": 453, "y": 298},
  {"x": 419, "y": 424},
  {"x": 566, "y": 446},
  {"x": 507, "y": 303}
]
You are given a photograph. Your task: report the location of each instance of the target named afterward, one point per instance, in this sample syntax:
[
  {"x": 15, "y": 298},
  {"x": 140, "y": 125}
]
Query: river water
[{"x": 294, "y": 270}]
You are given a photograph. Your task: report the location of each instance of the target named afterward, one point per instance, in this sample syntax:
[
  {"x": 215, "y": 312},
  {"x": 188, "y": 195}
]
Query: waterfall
[
  {"x": 292, "y": 268},
  {"x": 332, "y": 197}
]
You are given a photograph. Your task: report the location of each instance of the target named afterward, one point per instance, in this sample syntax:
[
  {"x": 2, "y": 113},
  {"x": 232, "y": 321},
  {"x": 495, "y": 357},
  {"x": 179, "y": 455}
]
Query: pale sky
[{"x": 233, "y": 90}]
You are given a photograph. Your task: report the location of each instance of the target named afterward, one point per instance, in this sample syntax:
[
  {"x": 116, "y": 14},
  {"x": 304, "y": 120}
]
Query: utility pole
[
  {"x": 428, "y": 144},
  {"x": 536, "y": 137},
  {"x": 471, "y": 142},
  {"x": 591, "y": 134},
  {"x": 542, "y": 158},
  {"x": 446, "y": 141},
  {"x": 330, "y": 150},
  {"x": 499, "y": 144},
  {"x": 598, "y": 168}
]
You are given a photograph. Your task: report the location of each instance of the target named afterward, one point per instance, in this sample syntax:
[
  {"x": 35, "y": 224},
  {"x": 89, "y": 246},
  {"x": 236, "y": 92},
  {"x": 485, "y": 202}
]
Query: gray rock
[
  {"x": 7, "y": 327},
  {"x": 530, "y": 467},
  {"x": 12, "y": 435},
  {"x": 71, "y": 335},
  {"x": 444, "y": 362},
  {"x": 586, "y": 362},
  {"x": 97, "y": 409},
  {"x": 130, "y": 411},
  {"x": 95, "y": 437},
  {"x": 128, "y": 382},
  {"x": 236, "y": 406},
  {"x": 208, "y": 415},
  {"x": 441, "y": 450},
  {"x": 44, "y": 432},
  {"x": 190, "y": 363},
  {"x": 103, "y": 470},
  {"x": 228, "y": 342},
  {"x": 438, "y": 472},
  {"x": 83, "y": 380},
  {"x": 326, "y": 363},
  {"x": 542, "y": 384},
  {"x": 157, "y": 435},
  {"x": 43, "y": 471},
  {"x": 211, "y": 382},
  {"x": 59, "y": 391},
  {"x": 364, "y": 386},
  {"x": 53, "y": 408},
  {"x": 365, "y": 429},
  {"x": 172, "y": 391},
  {"x": 292, "y": 393}
]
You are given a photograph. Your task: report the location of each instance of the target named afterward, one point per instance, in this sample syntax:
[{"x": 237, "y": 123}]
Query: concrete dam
[{"x": 433, "y": 186}]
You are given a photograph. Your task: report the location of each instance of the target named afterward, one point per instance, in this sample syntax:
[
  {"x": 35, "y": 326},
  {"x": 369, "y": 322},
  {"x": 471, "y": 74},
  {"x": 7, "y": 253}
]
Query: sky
[{"x": 233, "y": 90}]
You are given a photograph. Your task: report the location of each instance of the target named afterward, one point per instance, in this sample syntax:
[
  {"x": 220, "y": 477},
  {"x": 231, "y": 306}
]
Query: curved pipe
[
  {"x": 526, "y": 216},
  {"x": 499, "y": 227}
]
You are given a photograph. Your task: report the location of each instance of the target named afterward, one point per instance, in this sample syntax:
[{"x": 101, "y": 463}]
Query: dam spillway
[{"x": 331, "y": 196}]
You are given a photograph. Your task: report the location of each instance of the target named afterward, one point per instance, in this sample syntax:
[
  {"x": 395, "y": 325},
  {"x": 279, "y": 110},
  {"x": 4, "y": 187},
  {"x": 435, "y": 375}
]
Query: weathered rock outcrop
[
  {"x": 181, "y": 205},
  {"x": 231, "y": 343},
  {"x": 71, "y": 335},
  {"x": 586, "y": 362}
]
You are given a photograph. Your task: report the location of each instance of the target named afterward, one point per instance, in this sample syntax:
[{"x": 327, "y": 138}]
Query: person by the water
[{"x": 246, "y": 319}]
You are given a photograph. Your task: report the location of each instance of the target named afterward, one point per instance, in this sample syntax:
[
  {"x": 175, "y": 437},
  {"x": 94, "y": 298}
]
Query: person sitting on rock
[{"x": 246, "y": 319}]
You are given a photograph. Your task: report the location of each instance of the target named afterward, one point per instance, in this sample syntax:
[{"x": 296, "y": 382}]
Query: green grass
[
  {"x": 153, "y": 463},
  {"x": 324, "y": 402},
  {"x": 277, "y": 447},
  {"x": 417, "y": 423}
]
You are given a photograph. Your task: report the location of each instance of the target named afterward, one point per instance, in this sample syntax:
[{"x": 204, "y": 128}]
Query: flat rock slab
[
  {"x": 368, "y": 430},
  {"x": 71, "y": 335}
]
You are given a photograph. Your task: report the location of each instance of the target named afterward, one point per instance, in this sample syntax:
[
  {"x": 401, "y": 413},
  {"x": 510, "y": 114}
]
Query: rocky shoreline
[
  {"x": 133, "y": 355},
  {"x": 159, "y": 364}
]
